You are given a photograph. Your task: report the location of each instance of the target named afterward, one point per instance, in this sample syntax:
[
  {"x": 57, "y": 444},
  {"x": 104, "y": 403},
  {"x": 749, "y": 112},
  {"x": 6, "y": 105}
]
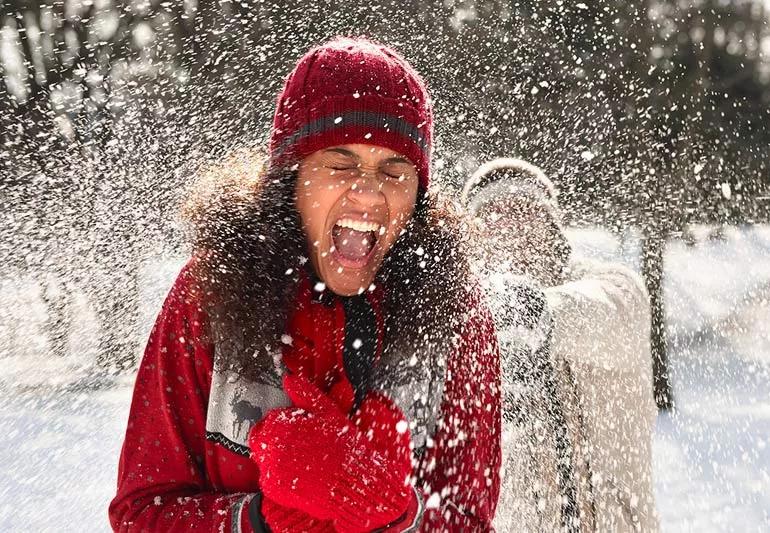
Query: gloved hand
[
  {"x": 311, "y": 457},
  {"x": 282, "y": 519},
  {"x": 382, "y": 422}
]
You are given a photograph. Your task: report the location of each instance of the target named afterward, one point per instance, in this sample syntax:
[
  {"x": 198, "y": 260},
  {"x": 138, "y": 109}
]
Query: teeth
[{"x": 358, "y": 225}]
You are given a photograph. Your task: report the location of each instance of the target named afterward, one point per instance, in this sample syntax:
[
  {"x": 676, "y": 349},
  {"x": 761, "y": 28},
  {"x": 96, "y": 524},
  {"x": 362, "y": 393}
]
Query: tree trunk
[
  {"x": 117, "y": 315},
  {"x": 58, "y": 302},
  {"x": 653, "y": 247}
]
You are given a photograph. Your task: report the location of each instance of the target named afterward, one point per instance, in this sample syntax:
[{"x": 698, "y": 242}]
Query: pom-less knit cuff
[
  {"x": 386, "y": 494},
  {"x": 410, "y": 521}
]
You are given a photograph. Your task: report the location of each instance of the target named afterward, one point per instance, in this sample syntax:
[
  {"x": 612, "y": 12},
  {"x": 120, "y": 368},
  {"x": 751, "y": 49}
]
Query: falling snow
[{"x": 652, "y": 119}]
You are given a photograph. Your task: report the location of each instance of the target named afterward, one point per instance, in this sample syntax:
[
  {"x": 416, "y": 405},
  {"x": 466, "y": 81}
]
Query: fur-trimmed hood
[{"x": 251, "y": 251}]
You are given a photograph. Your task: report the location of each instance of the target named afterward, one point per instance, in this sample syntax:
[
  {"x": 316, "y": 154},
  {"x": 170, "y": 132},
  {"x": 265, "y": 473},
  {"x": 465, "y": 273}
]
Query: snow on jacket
[
  {"x": 601, "y": 317},
  {"x": 543, "y": 479},
  {"x": 185, "y": 463}
]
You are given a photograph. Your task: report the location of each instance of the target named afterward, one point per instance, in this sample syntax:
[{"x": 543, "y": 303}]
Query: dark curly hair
[{"x": 250, "y": 249}]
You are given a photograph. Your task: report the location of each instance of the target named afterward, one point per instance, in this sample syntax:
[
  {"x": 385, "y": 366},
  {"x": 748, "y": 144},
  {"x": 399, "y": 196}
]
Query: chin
[
  {"x": 348, "y": 284},
  {"x": 344, "y": 289},
  {"x": 350, "y": 281}
]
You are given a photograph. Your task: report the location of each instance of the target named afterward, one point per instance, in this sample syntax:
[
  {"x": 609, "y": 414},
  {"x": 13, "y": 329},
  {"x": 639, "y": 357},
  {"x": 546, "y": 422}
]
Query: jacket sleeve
[
  {"x": 462, "y": 479},
  {"x": 610, "y": 295},
  {"x": 612, "y": 367},
  {"x": 162, "y": 484}
]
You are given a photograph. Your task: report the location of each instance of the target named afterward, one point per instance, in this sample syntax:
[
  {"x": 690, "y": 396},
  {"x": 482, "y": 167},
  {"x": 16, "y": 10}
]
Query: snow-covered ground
[
  {"x": 712, "y": 453},
  {"x": 63, "y": 423}
]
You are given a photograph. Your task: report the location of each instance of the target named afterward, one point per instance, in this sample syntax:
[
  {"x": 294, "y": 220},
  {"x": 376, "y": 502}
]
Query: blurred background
[{"x": 651, "y": 116}]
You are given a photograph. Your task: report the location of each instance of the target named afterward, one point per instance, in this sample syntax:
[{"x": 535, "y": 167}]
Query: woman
[
  {"x": 320, "y": 363},
  {"x": 604, "y": 378}
]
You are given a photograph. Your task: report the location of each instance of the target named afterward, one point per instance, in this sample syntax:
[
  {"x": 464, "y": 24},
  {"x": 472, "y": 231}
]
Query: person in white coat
[{"x": 599, "y": 348}]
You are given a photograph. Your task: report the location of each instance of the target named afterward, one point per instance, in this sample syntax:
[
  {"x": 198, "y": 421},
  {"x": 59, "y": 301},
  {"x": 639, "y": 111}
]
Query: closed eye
[{"x": 398, "y": 172}]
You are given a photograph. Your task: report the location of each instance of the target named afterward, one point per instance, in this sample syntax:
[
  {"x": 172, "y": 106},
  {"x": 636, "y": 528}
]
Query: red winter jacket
[{"x": 175, "y": 474}]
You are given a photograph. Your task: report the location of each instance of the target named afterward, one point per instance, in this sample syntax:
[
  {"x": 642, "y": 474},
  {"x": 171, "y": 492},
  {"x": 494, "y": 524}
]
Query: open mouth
[{"x": 355, "y": 241}]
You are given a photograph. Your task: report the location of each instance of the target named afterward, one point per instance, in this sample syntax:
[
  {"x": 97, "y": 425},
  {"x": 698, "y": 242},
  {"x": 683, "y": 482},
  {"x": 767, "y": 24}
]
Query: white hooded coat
[
  {"x": 598, "y": 324},
  {"x": 601, "y": 317},
  {"x": 597, "y": 344}
]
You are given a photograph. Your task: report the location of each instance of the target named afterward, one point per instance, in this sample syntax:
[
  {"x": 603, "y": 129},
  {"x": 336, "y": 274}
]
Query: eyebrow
[
  {"x": 397, "y": 159},
  {"x": 344, "y": 152},
  {"x": 353, "y": 155}
]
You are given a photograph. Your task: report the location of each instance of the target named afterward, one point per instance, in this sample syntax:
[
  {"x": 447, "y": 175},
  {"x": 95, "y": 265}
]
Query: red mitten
[
  {"x": 312, "y": 458},
  {"x": 286, "y": 520},
  {"x": 385, "y": 425},
  {"x": 381, "y": 421},
  {"x": 410, "y": 520}
]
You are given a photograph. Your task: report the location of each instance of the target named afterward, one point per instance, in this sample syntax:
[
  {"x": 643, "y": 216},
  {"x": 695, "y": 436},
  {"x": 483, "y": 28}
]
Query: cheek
[
  {"x": 401, "y": 199},
  {"x": 306, "y": 208},
  {"x": 314, "y": 204}
]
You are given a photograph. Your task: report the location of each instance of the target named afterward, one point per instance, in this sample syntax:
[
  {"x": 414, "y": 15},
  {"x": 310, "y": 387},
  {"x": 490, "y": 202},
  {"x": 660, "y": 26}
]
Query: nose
[{"x": 366, "y": 191}]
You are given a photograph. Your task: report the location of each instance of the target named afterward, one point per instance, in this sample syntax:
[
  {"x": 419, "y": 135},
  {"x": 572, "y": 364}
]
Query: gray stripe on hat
[{"x": 355, "y": 118}]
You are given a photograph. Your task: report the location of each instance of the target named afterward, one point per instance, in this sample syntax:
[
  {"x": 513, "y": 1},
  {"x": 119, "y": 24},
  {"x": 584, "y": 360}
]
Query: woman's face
[{"x": 353, "y": 200}]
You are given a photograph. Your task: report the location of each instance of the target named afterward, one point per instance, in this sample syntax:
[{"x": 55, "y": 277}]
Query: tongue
[{"x": 351, "y": 243}]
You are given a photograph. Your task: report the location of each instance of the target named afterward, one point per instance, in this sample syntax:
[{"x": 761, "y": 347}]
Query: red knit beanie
[{"x": 351, "y": 91}]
